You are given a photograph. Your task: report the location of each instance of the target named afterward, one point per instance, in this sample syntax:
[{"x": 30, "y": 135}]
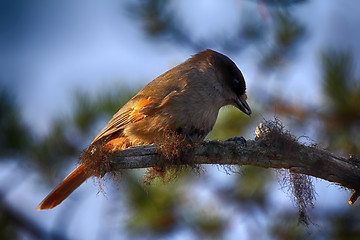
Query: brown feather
[
  {"x": 185, "y": 99},
  {"x": 68, "y": 185}
]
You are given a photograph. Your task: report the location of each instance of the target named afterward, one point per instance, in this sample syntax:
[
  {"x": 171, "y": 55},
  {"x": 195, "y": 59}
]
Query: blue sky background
[
  {"x": 48, "y": 49},
  {"x": 51, "y": 49}
]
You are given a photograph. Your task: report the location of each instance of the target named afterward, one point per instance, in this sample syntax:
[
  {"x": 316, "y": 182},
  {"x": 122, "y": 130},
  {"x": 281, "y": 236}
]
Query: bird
[{"x": 184, "y": 100}]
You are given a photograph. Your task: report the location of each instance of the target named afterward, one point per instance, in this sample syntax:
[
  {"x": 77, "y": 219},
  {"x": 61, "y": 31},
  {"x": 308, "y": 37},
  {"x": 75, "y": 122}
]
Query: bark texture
[{"x": 272, "y": 148}]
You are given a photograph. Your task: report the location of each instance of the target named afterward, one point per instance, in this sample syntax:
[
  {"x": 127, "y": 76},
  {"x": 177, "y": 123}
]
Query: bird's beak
[{"x": 242, "y": 104}]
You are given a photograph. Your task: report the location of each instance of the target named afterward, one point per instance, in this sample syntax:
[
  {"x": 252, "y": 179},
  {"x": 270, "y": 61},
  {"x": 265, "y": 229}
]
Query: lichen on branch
[{"x": 273, "y": 147}]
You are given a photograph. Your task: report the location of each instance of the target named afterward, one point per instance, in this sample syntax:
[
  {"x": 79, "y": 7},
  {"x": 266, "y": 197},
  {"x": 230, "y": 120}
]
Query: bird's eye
[{"x": 238, "y": 85}]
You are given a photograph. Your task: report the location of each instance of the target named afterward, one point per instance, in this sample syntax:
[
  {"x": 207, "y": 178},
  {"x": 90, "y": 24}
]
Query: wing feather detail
[{"x": 139, "y": 107}]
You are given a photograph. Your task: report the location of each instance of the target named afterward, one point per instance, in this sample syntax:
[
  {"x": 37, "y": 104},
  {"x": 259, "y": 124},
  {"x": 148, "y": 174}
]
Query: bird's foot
[
  {"x": 238, "y": 139},
  {"x": 189, "y": 138}
]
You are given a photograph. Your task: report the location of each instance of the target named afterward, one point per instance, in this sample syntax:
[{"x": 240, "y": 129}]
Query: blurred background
[{"x": 67, "y": 66}]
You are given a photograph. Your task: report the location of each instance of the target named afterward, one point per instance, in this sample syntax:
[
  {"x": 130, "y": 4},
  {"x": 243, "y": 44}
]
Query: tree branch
[{"x": 266, "y": 151}]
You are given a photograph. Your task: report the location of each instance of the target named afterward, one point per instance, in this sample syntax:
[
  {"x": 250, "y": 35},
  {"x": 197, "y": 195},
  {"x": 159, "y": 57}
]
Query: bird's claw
[{"x": 238, "y": 139}]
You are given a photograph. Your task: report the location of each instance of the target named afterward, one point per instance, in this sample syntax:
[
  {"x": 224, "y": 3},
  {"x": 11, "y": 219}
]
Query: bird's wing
[{"x": 135, "y": 110}]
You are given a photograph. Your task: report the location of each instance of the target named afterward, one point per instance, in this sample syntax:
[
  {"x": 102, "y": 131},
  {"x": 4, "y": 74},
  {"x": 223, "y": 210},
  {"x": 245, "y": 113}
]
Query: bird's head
[{"x": 232, "y": 81}]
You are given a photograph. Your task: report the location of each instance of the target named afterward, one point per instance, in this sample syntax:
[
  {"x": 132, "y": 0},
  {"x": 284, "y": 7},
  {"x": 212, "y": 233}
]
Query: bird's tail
[{"x": 64, "y": 189}]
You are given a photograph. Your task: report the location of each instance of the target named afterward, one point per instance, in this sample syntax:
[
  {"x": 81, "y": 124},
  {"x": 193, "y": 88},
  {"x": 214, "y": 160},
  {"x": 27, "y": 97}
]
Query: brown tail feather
[{"x": 68, "y": 185}]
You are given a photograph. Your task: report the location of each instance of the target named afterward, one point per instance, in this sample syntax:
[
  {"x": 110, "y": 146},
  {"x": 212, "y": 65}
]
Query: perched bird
[{"x": 184, "y": 100}]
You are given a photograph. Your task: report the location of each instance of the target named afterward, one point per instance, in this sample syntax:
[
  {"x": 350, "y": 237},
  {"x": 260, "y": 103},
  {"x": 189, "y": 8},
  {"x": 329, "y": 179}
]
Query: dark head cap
[{"x": 231, "y": 77}]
